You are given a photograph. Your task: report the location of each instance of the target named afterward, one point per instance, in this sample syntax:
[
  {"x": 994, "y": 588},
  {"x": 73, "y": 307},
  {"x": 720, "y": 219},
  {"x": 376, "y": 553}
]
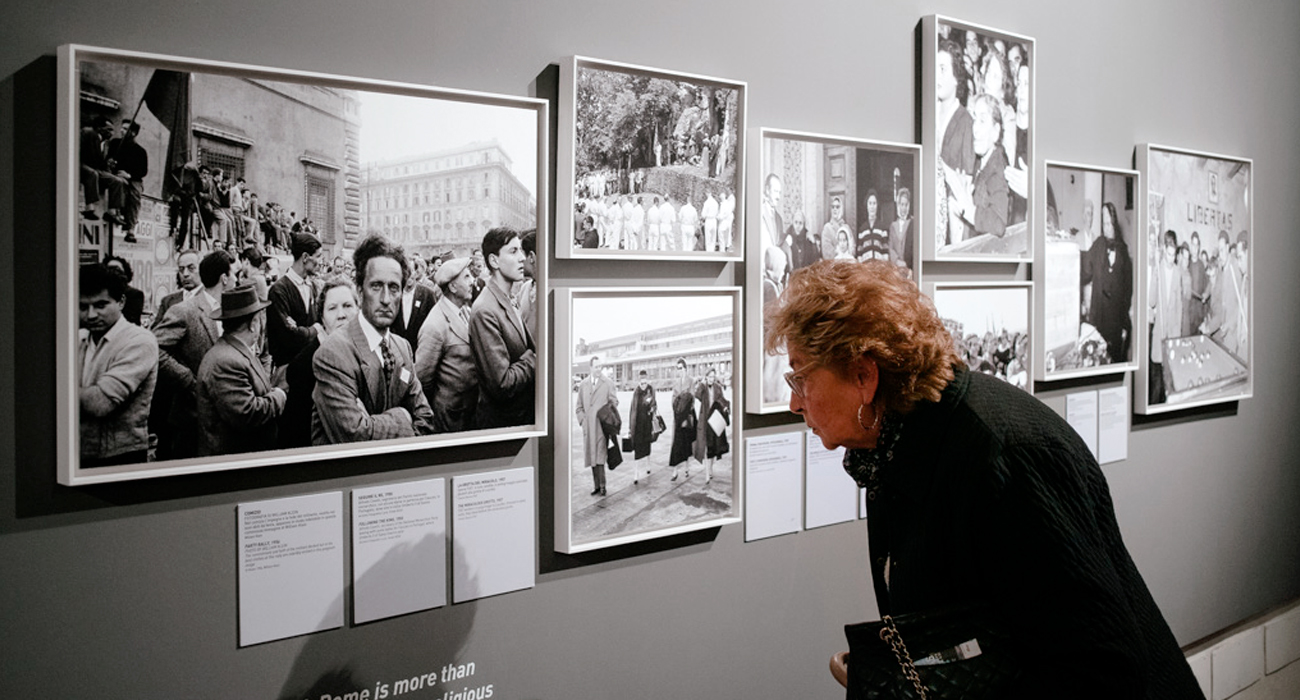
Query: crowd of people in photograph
[
  {"x": 646, "y": 221},
  {"x": 1004, "y": 354},
  {"x": 701, "y": 414},
  {"x": 982, "y": 121},
  {"x": 383, "y": 346},
  {"x": 211, "y": 208},
  {"x": 1197, "y": 292}
]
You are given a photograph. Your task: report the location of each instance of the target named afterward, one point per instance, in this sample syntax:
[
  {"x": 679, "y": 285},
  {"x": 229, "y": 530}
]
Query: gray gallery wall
[{"x": 130, "y": 591}]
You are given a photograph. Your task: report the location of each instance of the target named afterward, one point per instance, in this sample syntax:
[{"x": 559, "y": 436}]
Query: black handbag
[
  {"x": 657, "y": 427},
  {"x": 952, "y": 653}
]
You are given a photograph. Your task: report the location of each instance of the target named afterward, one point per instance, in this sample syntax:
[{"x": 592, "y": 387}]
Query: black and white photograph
[
  {"x": 1086, "y": 253},
  {"x": 978, "y": 132},
  {"x": 1195, "y": 299},
  {"x": 650, "y": 163},
  {"x": 647, "y": 426},
  {"x": 989, "y": 322},
  {"x": 816, "y": 198},
  {"x": 276, "y": 266}
]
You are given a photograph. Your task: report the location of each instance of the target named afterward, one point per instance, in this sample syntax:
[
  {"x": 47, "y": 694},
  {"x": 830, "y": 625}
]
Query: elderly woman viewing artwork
[{"x": 978, "y": 495}]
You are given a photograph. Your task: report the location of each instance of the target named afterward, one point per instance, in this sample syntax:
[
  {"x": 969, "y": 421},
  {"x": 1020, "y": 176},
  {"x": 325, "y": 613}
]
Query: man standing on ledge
[
  {"x": 503, "y": 348},
  {"x": 366, "y": 386}
]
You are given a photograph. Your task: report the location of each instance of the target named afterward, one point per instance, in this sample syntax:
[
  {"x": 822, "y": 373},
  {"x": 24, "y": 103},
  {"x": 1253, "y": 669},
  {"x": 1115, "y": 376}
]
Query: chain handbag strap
[{"x": 889, "y": 634}]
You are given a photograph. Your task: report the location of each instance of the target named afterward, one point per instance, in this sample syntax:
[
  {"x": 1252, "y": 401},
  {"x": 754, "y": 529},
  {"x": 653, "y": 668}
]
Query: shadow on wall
[{"x": 389, "y": 657}]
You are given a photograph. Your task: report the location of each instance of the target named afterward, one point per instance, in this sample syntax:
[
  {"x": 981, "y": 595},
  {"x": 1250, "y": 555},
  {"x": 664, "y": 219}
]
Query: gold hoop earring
[{"x": 875, "y": 422}]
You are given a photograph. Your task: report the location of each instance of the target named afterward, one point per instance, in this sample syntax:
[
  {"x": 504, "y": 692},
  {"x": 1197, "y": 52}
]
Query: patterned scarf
[{"x": 864, "y": 465}]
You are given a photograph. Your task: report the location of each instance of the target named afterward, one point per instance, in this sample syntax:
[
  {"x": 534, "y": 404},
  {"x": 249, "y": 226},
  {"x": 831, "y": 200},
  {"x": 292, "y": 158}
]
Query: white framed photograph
[
  {"x": 650, "y": 163},
  {"x": 231, "y": 205},
  {"x": 991, "y": 324},
  {"x": 1197, "y": 279},
  {"x": 647, "y": 421},
  {"x": 978, "y": 137},
  {"x": 820, "y": 197},
  {"x": 1085, "y": 258}
]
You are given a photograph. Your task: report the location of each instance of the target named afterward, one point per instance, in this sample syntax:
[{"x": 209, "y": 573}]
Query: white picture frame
[
  {"x": 1085, "y": 291},
  {"x": 979, "y": 315},
  {"x": 972, "y": 185},
  {"x": 687, "y": 146},
  {"x": 1188, "y": 192},
  {"x": 816, "y": 174},
  {"x": 204, "y": 100},
  {"x": 630, "y": 330}
]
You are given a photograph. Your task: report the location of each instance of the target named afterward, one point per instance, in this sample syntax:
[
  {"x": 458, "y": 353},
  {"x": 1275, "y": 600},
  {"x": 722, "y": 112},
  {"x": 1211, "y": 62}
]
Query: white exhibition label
[
  {"x": 1112, "y": 425},
  {"x": 290, "y": 567},
  {"x": 830, "y": 494},
  {"x": 1081, "y": 414},
  {"x": 494, "y": 533},
  {"x": 399, "y": 549},
  {"x": 772, "y": 485}
]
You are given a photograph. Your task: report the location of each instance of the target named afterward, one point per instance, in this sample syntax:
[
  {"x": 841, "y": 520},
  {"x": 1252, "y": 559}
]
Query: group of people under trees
[
  {"x": 982, "y": 122},
  {"x": 701, "y": 412},
  {"x": 229, "y": 366}
]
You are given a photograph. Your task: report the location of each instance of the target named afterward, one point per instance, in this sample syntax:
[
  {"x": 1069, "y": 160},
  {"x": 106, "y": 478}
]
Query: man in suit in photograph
[
  {"x": 293, "y": 319},
  {"x": 184, "y": 336},
  {"x": 593, "y": 393},
  {"x": 237, "y": 404},
  {"x": 366, "y": 383},
  {"x": 417, "y": 301},
  {"x": 503, "y": 349},
  {"x": 187, "y": 276},
  {"x": 444, "y": 360}
]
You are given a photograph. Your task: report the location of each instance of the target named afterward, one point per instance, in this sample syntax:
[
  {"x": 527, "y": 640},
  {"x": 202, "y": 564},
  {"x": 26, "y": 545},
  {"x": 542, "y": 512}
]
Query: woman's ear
[{"x": 866, "y": 375}]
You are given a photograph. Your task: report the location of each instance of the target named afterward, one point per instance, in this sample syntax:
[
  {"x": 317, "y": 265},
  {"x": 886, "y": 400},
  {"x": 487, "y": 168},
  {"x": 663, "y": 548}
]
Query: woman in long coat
[
  {"x": 709, "y": 444},
  {"x": 683, "y": 421},
  {"x": 641, "y": 423}
]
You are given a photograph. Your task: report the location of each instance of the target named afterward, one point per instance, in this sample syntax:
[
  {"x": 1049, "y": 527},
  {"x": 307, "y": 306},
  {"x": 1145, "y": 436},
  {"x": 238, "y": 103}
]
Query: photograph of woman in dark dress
[
  {"x": 641, "y": 418},
  {"x": 1108, "y": 267},
  {"x": 683, "y": 421}
]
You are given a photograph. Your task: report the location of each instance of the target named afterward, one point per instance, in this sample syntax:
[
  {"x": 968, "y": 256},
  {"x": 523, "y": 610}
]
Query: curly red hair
[{"x": 837, "y": 310}]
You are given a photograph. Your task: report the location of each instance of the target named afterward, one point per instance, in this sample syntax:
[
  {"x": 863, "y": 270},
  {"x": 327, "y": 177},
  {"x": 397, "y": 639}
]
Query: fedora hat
[{"x": 238, "y": 302}]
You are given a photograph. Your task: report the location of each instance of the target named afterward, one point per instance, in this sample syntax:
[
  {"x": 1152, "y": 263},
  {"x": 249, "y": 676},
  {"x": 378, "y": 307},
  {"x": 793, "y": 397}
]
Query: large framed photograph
[
  {"x": 647, "y": 427},
  {"x": 1196, "y": 319},
  {"x": 821, "y": 198},
  {"x": 650, "y": 163},
  {"x": 260, "y": 266},
  {"x": 978, "y": 135},
  {"x": 990, "y": 323},
  {"x": 1085, "y": 254}
]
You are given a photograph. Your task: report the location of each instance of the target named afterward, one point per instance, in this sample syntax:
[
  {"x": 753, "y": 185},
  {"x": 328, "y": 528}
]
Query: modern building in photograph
[{"x": 446, "y": 200}]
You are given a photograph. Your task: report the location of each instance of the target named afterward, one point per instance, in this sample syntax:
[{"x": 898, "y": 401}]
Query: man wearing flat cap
[
  {"x": 237, "y": 404},
  {"x": 444, "y": 359}
]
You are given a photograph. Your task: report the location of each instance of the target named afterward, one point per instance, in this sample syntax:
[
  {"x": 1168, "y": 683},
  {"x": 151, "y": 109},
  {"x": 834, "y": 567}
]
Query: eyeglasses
[{"x": 797, "y": 378}]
